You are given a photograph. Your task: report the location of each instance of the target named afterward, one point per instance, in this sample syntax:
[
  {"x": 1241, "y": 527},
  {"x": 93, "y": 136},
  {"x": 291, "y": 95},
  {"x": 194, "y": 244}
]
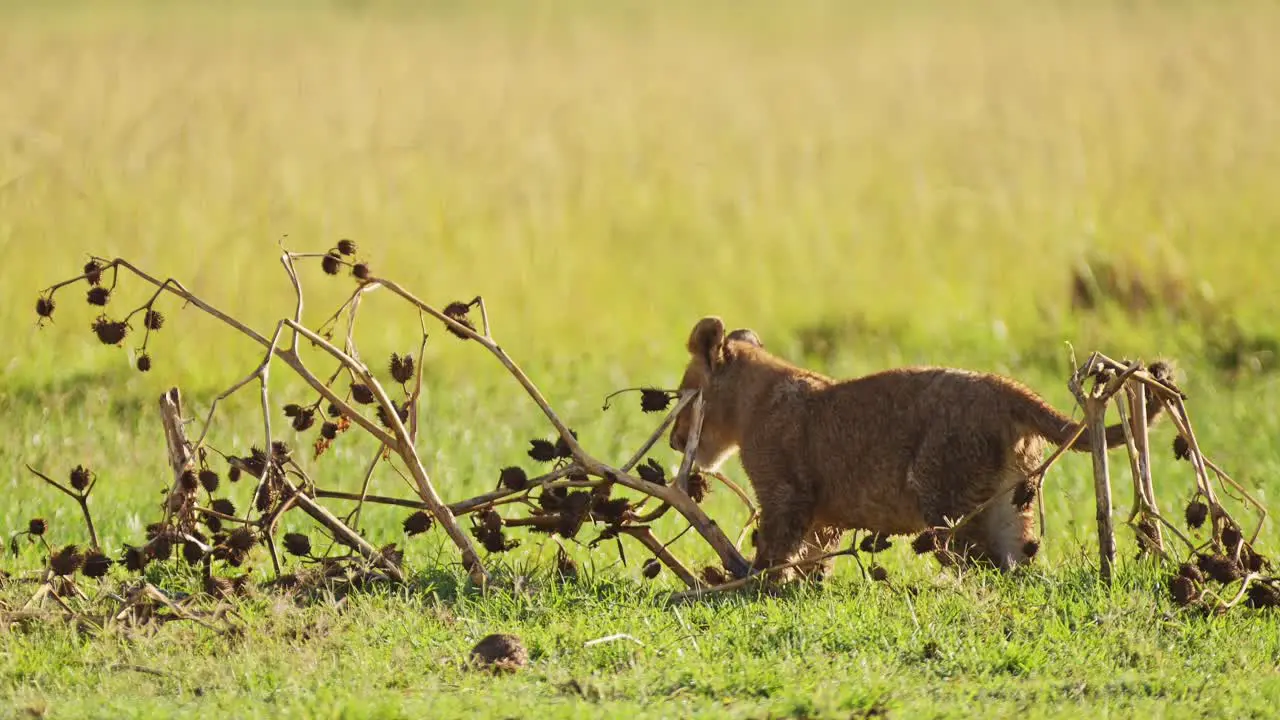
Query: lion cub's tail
[{"x": 1058, "y": 429}]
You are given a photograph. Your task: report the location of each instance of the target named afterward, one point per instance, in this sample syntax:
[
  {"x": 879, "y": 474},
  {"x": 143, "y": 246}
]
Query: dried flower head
[
  {"x": 67, "y": 561},
  {"x": 37, "y": 526},
  {"x": 332, "y": 263},
  {"x": 562, "y": 446},
  {"x": 233, "y": 473},
  {"x": 542, "y": 450},
  {"x": 143, "y": 362},
  {"x": 1231, "y": 538},
  {"x": 212, "y": 522},
  {"x": 1196, "y": 513},
  {"x": 652, "y": 471},
  {"x": 98, "y": 296},
  {"x": 361, "y": 271},
  {"x": 699, "y": 486},
  {"x": 401, "y": 368},
  {"x": 1220, "y": 568},
  {"x": 93, "y": 272},
  {"x": 402, "y": 411},
  {"x": 209, "y": 480},
  {"x": 224, "y": 506},
  {"x": 1024, "y": 494},
  {"x": 161, "y": 548},
  {"x": 1262, "y": 594},
  {"x": 652, "y": 400},
  {"x": 1030, "y": 548},
  {"x": 135, "y": 558},
  {"x": 45, "y": 306},
  {"x": 513, "y": 478},
  {"x": 242, "y": 539},
  {"x": 925, "y": 542},
  {"x": 879, "y": 574},
  {"x": 418, "y": 523},
  {"x": 361, "y": 393},
  {"x": 297, "y": 544},
  {"x": 329, "y": 430},
  {"x": 81, "y": 476},
  {"x": 153, "y": 319},
  {"x": 1182, "y": 590},
  {"x": 96, "y": 564},
  {"x": 1191, "y": 572},
  {"x": 874, "y": 543},
  {"x": 610, "y": 510},
  {"x": 304, "y": 420},
  {"x": 457, "y": 312},
  {"x": 110, "y": 332},
  {"x": 347, "y": 247},
  {"x": 1181, "y": 448},
  {"x": 191, "y": 552},
  {"x": 189, "y": 480},
  {"x": 499, "y": 653},
  {"x": 651, "y": 568}
]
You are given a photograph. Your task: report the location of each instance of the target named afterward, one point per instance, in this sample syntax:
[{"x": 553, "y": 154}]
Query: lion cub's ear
[
  {"x": 745, "y": 335},
  {"x": 707, "y": 339}
]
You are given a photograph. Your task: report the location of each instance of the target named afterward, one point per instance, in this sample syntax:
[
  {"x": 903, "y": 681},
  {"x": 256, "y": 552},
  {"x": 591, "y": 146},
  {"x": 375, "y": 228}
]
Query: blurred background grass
[{"x": 865, "y": 185}]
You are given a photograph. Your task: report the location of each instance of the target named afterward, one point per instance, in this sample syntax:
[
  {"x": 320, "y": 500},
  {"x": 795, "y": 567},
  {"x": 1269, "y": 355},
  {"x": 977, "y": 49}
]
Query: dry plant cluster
[{"x": 577, "y": 491}]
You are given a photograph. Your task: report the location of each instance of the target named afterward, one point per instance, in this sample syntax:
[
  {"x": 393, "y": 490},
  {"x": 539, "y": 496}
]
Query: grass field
[{"x": 865, "y": 186}]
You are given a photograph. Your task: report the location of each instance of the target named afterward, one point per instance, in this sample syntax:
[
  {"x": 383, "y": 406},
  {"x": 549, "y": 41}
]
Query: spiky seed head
[
  {"x": 332, "y": 263},
  {"x": 96, "y": 564},
  {"x": 81, "y": 476},
  {"x": 402, "y": 412},
  {"x": 297, "y": 544},
  {"x": 347, "y": 247},
  {"x": 1262, "y": 595},
  {"x": 192, "y": 553},
  {"x": 1030, "y": 548},
  {"x": 280, "y": 450},
  {"x": 542, "y": 450},
  {"x": 135, "y": 559},
  {"x": 292, "y": 410},
  {"x": 1024, "y": 494},
  {"x": 652, "y": 471},
  {"x": 329, "y": 430},
  {"x": 37, "y": 526},
  {"x": 925, "y": 542},
  {"x": 153, "y": 319},
  {"x": 654, "y": 400},
  {"x": 699, "y": 487},
  {"x": 1181, "y": 448},
  {"x": 241, "y": 539},
  {"x": 161, "y": 548},
  {"x": 189, "y": 480},
  {"x": 562, "y": 446},
  {"x": 209, "y": 480},
  {"x": 651, "y": 568},
  {"x": 143, "y": 362},
  {"x": 611, "y": 510},
  {"x": 304, "y": 420},
  {"x": 1182, "y": 590},
  {"x": 233, "y": 474},
  {"x": 513, "y": 478},
  {"x": 98, "y": 296},
  {"x": 361, "y": 393},
  {"x": 1219, "y": 567},
  {"x": 457, "y": 312},
  {"x": 875, "y": 543},
  {"x": 1196, "y": 513},
  {"x": 499, "y": 652},
  {"x": 45, "y": 306},
  {"x": 212, "y": 522},
  {"x": 418, "y": 523},
  {"x": 1252, "y": 561},
  {"x": 401, "y": 368},
  {"x": 361, "y": 271},
  {"x": 1191, "y": 572},
  {"x": 879, "y": 574},
  {"x": 224, "y": 506},
  {"x": 92, "y": 272},
  {"x": 110, "y": 332},
  {"x": 155, "y": 530},
  {"x": 1231, "y": 538},
  {"x": 67, "y": 561}
]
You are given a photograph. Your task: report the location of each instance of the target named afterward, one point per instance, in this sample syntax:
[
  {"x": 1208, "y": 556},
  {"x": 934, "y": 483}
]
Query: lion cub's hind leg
[{"x": 819, "y": 540}]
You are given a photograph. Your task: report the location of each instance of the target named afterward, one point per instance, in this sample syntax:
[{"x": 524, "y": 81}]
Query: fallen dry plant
[{"x": 577, "y": 491}]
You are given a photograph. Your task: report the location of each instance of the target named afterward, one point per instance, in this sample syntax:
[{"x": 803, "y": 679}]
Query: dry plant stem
[
  {"x": 497, "y": 497},
  {"x": 1197, "y": 459},
  {"x": 729, "y": 555},
  {"x": 1095, "y": 416},
  {"x": 81, "y": 498},
  {"x": 178, "y": 448},
  {"x": 354, "y": 517},
  {"x": 340, "y": 530},
  {"x": 1142, "y": 439},
  {"x": 685, "y": 398},
  {"x": 691, "y": 445},
  {"x": 741, "y": 582},
  {"x": 1249, "y": 498},
  {"x": 646, "y": 537}
]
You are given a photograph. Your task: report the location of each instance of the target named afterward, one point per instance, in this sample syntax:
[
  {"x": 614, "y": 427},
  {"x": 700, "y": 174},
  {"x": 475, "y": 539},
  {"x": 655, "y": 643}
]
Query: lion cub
[{"x": 894, "y": 452}]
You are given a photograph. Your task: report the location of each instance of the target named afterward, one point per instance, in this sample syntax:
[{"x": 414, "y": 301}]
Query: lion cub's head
[{"x": 714, "y": 368}]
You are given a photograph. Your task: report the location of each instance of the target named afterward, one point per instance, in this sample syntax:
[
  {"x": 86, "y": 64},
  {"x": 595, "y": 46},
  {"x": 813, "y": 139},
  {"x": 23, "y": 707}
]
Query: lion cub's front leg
[{"x": 786, "y": 513}]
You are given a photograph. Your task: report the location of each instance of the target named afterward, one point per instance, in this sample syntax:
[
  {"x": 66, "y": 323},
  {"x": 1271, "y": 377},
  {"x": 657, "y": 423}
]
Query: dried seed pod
[
  {"x": 233, "y": 474},
  {"x": 304, "y": 420},
  {"x": 513, "y": 478},
  {"x": 1252, "y": 561},
  {"x": 1191, "y": 572},
  {"x": 1262, "y": 595},
  {"x": 651, "y": 568},
  {"x": 332, "y": 263},
  {"x": 153, "y": 319},
  {"x": 96, "y": 564},
  {"x": 135, "y": 559},
  {"x": 192, "y": 553},
  {"x": 219, "y": 587},
  {"x": 209, "y": 480},
  {"x": 1024, "y": 494},
  {"x": 611, "y": 510},
  {"x": 402, "y": 411},
  {"x": 143, "y": 362},
  {"x": 1220, "y": 568},
  {"x": 652, "y": 471},
  {"x": 361, "y": 271},
  {"x": 292, "y": 410},
  {"x": 189, "y": 480},
  {"x": 418, "y": 523},
  {"x": 161, "y": 548},
  {"x": 92, "y": 272},
  {"x": 562, "y": 446},
  {"x": 37, "y": 526},
  {"x": 699, "y": 487},
  {"x": 499, "y": 653},
  {"x": 457, "y": 312},
  {"x": 879, "y": 574},
  {"x": 81, "y": 476},
  {"x": 401, "y": 368},
  {"x": 361, "y": 393},
  {"x": 45, "y": 306},
  {"x": 297, "y": 544},
  {"x": 347, "y": 247},
  {"x": 98, "y": 296},
  {"x": 1196, "y": 513},
  {"x": 224, "y": 506},
  {"x": 1182, "y": 590},
  {"x": 654, "y": 400},
  {"x": 66, "y": 562},
  {"x": 1231, "y": 538},
  {"x": 242, "y": 539},
  {"x": 542, "y": 450},
  {"x": 110, "y": 332},
  {"x": 874, "y": 543},
  {"x": 925, "y": 542},
  {"x": 1181, "y": 448},
  {"x": 329, "y": 430},
  {"x": 212, "y": 522},
  {"x": 1030, "y": 548}
]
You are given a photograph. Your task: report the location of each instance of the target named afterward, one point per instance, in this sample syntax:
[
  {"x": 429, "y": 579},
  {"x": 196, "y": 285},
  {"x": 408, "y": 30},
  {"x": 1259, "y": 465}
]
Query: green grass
[{"x": 864, "y": 186}]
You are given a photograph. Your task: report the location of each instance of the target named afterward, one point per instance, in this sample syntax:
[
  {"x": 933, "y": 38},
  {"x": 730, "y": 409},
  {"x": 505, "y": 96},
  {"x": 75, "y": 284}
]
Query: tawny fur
[{"x": 894, "y": 452}]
